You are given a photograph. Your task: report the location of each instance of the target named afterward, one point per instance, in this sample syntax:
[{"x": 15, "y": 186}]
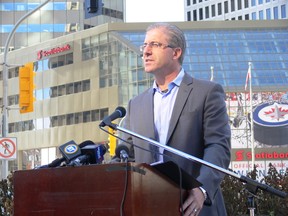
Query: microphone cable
[
  {"x": 125, "y": 190},
  {"x": 152, "y": 151}
]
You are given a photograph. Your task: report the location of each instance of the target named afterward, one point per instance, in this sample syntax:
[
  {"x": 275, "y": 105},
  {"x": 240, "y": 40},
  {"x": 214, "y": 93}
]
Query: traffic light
[
  {"x": 92, "y": 8},
  {"x": 112, "y": 141},
  {"x": 26, "y": 88}
]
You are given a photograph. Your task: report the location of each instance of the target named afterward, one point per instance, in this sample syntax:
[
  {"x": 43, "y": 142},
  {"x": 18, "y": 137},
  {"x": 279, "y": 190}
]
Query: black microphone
[
  {"x": 69, "y": 151},
  {"x": 119, "y": 112},
  {"x": 121, "y": 152},
  {"x": 90, "y": 154}
]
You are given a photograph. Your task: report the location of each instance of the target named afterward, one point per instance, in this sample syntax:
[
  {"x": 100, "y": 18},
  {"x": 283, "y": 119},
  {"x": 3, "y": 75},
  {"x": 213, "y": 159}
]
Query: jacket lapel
[
  {"x": 182, "y": 96},
  {"x": 150, "y": 113}
]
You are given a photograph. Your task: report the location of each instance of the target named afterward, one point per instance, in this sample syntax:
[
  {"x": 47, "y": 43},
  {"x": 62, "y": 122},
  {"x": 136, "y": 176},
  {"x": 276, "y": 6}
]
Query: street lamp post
[{"x": 4, "y": 168}]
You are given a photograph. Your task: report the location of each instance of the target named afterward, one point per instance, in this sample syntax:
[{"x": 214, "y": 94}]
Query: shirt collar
[{"x": 176, "y": 82}]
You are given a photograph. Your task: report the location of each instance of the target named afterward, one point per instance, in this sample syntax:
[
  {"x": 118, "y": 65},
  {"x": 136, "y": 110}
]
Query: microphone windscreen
[{"x": 120, "y": 148}]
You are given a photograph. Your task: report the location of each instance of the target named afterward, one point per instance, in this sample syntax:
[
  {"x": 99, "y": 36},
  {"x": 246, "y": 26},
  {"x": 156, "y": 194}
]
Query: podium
[{"x": 96, "y": 190}]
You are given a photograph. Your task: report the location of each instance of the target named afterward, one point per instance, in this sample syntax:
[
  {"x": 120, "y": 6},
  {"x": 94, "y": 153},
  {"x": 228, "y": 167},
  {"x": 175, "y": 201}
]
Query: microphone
[
  {"x": 90, "y": 154},
  {"x": 69, "y": 151},
  {"x": 119, "y": 112},
  {"x": 121, "y": 152}
]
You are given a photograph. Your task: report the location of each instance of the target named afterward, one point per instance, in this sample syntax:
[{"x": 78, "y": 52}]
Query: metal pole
[
  {"x": 4, "y": 168},
  {"x": 251, "y": 114}
]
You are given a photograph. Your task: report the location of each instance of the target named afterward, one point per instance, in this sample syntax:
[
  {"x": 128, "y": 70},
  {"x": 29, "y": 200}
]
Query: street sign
[{"x": 8, "y": 148}]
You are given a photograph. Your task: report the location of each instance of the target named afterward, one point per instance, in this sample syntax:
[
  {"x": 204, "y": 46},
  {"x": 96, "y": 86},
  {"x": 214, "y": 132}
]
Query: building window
[
  {"x": 188, "y": 2},
  {"x": 86, "y": 116},
  {"x": 239, "y": 17},
  {"x": 232, "y": 5},
  {"x": 78, "y": 118},
  {"x": 86, "y": 85},
  {"x": 61, "y": 90},
  {"x": 69, "y": 88},
  {"x": 189, "y": 16},
  {"x": 213, "y": 10},
  {"x": 53, "y": 92},
  {"x": 95, "y": 115},
  {"x": 194, "y": 1},
  {"x": 226, "y": 9},
  {"x": 70, "y": 119},
  {"x": 283, "y": 11},
  {"x": 207, "y": 12},
  {"x": 195, "y": 15},
  {"x": 201, "y": 14},
  {"x": 219, "y": 9},
  {"x": 61, "y": 120},
  {"x": 246, "y": 16},
  {"x": 77, "y": 87},
  {"x": 253, "y": 3},
  {"x": 260, "y": 2},
  {"x": 275, "y": 11},
  {"x": 239, "y": 4},
  {"x": 246, "y": 3},
  {"x": 261, "y": 16},
  {"x": 103, "y": 113},
  {"x": 268, "y": 14},
  {"x": 254, "y": 16}
]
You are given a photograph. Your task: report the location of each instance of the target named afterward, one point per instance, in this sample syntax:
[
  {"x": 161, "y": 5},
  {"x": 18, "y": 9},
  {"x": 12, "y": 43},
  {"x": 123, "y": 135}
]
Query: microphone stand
[{"x": 251, "y": 185}]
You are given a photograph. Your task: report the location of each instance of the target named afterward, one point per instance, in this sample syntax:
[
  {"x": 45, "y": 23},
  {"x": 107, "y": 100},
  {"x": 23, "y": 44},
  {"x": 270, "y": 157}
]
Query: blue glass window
[
  {"x": 254, "y": 16},
  {"x": 7, "y": 7},
  {"x": 283, "y": 11},
  {"x": 275, "y": 11},
  {"x": 60, "y": 6},
  {"x": 261, "y": 15},
  {"x": 46, "y": 28},
  {"x": 19, "y": 6},
  {"x": 34, "y": 28},
  {"x": 268, "y": 14}
]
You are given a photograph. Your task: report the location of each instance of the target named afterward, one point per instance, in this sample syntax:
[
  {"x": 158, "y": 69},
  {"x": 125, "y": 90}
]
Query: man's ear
[{"x": 177, "y": 52}]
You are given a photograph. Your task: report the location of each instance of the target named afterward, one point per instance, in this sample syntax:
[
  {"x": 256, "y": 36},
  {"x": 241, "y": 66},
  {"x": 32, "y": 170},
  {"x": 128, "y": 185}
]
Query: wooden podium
[{"x": 95, "y": 190}]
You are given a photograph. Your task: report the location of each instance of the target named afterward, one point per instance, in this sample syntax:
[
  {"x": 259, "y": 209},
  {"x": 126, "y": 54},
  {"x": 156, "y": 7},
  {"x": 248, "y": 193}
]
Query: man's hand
[{"x": 194, "y": 202}]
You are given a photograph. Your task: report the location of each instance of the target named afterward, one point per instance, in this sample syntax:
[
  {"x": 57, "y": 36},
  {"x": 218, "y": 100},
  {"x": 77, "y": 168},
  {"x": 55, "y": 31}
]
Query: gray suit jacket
[{"x": 198, "y": 126}]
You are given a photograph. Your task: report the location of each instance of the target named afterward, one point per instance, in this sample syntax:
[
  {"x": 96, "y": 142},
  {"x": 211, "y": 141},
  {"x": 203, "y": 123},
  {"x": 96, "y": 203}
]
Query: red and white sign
[
  {"x": 45, "y": 53},
  {"x": 8, "y": 148}
]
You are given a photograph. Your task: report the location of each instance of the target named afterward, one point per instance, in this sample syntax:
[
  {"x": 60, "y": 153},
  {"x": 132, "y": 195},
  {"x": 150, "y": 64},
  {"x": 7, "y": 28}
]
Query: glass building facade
[
  {"x": 198, "y": 10},
  {"x": 103, "y": 70},
  {"x": 55, "y": 19}
]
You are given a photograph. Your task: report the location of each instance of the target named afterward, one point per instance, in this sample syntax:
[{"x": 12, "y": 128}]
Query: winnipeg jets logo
[
  {"x": 277, "y": 112},
  {"x": 272, "y": 115}
]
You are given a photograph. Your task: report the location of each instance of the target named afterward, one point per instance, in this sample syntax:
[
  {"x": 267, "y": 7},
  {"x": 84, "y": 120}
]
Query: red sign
[
  {"x": 260, "y": 154},
  {"x": 7, "y": 148},
  {"x": 44, "y": 53}
]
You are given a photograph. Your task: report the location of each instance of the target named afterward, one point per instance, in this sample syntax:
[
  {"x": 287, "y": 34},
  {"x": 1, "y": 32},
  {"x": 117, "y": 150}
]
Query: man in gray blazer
[{"x": 184, "y": 113}]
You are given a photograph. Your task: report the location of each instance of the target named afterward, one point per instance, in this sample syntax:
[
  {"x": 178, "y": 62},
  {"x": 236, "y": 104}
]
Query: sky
[{"x": 154, "y": 10}]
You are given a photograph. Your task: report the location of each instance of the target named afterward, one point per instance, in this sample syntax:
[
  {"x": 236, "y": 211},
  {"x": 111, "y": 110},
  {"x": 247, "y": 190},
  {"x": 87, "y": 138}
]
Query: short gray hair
[{"x": 176, "y": 36}]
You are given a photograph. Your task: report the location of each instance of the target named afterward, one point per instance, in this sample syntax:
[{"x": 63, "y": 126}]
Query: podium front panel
[{"x": 95, "y": 190}]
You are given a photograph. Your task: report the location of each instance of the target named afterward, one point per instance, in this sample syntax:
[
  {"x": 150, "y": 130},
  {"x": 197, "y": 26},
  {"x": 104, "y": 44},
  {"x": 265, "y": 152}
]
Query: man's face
[{"x": 157, "y": 53}]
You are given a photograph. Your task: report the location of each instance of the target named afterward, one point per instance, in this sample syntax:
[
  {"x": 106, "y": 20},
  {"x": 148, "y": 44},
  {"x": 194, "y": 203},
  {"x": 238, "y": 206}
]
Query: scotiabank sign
[
  {"x": 260, "y": 154},
  {"x": 45, "y": 53}
]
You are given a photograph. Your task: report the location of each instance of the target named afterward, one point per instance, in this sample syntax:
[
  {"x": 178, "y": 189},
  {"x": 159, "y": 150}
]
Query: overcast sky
[{"x": 154, "y": 10}]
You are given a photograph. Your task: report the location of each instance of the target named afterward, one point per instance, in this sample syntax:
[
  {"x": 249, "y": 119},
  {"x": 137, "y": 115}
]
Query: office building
[
  {"x": 198, "y": 10},
  {"x": 54, "y": 19}
]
